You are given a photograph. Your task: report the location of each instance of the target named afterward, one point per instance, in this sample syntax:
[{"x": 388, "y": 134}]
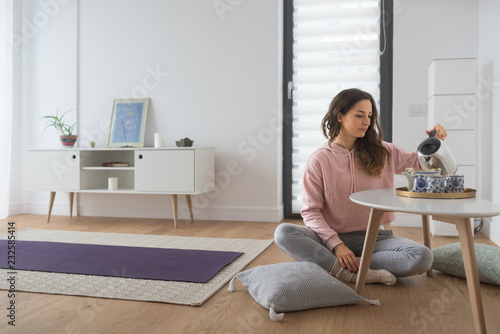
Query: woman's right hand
[{"x": 346, "y": 258}]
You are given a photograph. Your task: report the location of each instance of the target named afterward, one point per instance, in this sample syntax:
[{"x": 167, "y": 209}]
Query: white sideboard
[{"x": 170, "y": 170}]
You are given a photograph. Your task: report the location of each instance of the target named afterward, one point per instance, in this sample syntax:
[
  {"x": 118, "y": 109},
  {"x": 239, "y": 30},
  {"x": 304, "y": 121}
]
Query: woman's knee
[
  {"x": 426, "y": 258},
  {"x": 422, "y": 260},
  {"x": 282, "y": 233},
  {"x": 413, "y": 258}
]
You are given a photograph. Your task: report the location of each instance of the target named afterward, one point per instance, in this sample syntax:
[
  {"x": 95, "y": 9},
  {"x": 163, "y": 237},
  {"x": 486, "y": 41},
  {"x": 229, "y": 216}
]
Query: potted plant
[{"x": 67, "y": 137}]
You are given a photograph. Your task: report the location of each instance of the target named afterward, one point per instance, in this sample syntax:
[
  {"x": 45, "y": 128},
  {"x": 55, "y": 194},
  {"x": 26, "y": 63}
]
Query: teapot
[
  {"x": 433, "y": 153},
  {"x": 417, "y": 178}
]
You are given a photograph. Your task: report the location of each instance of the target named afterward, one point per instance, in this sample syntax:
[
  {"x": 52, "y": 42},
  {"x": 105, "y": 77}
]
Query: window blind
[{"x": 335, "y": 46}]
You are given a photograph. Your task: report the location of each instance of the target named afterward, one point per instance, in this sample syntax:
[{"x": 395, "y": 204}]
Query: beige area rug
[{"x": 193, "y": 294}]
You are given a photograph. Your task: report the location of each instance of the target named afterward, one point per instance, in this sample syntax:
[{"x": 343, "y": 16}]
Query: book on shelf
[{"x": 115, "y": 164}]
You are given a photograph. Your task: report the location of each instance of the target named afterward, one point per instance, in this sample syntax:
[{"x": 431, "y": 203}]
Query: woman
[{"x": 355, "y": 158}]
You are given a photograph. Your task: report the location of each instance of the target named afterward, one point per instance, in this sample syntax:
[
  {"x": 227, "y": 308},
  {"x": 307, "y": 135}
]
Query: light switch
[{"x": 417, "y": 110}]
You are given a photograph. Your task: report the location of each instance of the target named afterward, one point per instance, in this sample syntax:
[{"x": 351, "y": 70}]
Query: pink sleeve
[
  {"x": 312, "y": 198},
  {"x": 403, "y": 159}
]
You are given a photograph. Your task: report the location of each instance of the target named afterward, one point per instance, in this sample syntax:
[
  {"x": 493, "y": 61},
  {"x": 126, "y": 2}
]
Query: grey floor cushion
[
  {"x": 294, "y": 286},
  {"x": 448, "y": 259}
]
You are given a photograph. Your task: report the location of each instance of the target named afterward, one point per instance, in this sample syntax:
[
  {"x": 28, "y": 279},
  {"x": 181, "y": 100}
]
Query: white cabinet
[
  {"x": 159, "y": 170},
  {"x": 53, "y": 169},
  {"x": 94, "y": 177},
  {"x": 452, "y": 103},
  {"x": 179, "y": 171},
  {"x": 185, "y": 171},
  {"x": 452, "y": 76}
]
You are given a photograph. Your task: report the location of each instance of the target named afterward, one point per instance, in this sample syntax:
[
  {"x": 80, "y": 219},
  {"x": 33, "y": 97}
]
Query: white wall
[
  {"x": 48, "y": 40},
  {"x": 489, "y": 104},
  {"x": 16, "y": 173},
  {"x": 425, "y": 30},
  {"x": 213, "y": 74},
  {"x": 220, "y": 84}
]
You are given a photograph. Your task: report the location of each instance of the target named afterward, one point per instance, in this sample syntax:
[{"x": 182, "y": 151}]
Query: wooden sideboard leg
[
  {"x": 370, "y": 239},
  {"x": 174, "y": 208},
  {"x": 427, "y": 238},
  {"x": 190, "y": 207},
  {"x": 471, "y": 274},
  {"x": 71, "y": 197},
  {"x": 51, "y": 203}
]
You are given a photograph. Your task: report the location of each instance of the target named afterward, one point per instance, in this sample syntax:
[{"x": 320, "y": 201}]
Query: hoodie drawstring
[{"x": 352, "y": 170}]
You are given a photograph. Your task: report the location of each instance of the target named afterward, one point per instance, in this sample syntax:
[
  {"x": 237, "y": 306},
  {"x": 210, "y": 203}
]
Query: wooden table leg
[
  {"x": 71, "y": 197},
  {"x": 370, "y": 239},
  {"x": 469, "y": 256},
  {"x": 427, "y": 238},
  {"x": 190, "y": 207},
  {"x": 174, "y": 207},
  {"x": 51, "y": 203},
  {"x": 471, "y": 274}
]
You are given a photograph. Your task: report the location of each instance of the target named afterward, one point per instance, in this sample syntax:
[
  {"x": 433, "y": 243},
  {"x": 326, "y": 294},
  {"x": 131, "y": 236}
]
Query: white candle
[
  {"x": 158, "y": 140},
  {"x": 112, "y": 183}
]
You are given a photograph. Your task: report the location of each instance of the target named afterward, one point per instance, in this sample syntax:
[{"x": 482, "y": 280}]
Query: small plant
[{"x": 59, "y": 124}]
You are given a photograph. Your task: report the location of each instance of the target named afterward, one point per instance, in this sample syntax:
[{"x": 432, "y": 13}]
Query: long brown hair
[{"x": 370, "y": 152}]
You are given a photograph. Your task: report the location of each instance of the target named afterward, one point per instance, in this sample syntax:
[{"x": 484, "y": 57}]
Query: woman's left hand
[{"x": 440, "y": 132}]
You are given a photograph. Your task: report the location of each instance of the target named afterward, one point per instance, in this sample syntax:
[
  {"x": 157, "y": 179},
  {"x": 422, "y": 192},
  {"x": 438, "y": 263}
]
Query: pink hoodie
[{"x": 330, "y": 176}]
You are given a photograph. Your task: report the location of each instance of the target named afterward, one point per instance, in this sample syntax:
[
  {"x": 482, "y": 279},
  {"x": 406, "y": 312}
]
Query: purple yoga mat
[{"x": 183, "y": 265}]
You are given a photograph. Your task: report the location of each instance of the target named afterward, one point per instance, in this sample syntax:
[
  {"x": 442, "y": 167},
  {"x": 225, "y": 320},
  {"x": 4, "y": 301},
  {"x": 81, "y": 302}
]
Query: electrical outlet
[{"x": 417, "y": 110}]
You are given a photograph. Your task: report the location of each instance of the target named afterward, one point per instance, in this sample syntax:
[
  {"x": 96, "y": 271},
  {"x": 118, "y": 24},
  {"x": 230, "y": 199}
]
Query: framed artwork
[{"x": 128, "y": 123}]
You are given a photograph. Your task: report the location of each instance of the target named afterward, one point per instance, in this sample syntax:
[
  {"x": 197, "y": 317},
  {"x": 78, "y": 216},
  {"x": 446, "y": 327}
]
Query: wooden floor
[{"x": 415, "y": 304}]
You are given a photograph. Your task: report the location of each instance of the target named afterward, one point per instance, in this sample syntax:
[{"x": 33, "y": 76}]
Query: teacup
[
  {"x": 435, "y": 183},
  {"x": 417, "y": 178},
  {"x": 454, "y": 183}
]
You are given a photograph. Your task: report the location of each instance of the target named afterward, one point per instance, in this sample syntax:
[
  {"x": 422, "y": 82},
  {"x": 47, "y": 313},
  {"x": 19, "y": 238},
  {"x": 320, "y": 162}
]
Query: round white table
[{"x": 454, "y": 211}]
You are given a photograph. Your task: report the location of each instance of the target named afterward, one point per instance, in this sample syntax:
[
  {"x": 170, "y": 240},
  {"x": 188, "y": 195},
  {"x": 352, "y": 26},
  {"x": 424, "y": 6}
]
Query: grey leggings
[{"x": 399, "y": 256}]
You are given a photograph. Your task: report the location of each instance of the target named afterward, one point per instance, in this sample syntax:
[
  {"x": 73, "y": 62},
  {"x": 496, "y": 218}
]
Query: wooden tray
[{"x": 468, "y": 193}]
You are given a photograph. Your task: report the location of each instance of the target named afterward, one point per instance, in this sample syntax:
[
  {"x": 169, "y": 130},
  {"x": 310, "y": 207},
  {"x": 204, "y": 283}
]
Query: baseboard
[
  {"x": 39, "y": 208},
  {"x": 495, "y": 234},
  {"x": 15, "y": 208},
  {"x": 436, "y": 228},
  {"x": 155, "y": 211},
  {"x": 407, "y": 220},
  {"x": 257, "y": 214},
  {"x": 491, "y": 229}
]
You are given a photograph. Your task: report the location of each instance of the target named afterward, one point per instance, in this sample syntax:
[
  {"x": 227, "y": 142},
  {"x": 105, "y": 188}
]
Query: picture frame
[{"x": 128, "y": 123}]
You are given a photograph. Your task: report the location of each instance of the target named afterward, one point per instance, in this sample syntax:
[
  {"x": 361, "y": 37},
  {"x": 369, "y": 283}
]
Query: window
[{"x": 330, "y": 45}]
